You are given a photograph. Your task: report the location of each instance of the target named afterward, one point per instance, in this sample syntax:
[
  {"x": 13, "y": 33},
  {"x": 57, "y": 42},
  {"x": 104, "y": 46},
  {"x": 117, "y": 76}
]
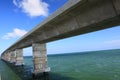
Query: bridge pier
[
  {"x": 39, "y": 58},
  {"x": 4, "y": 57},
  {"x": 8, "y": 56},
  {"x": 19, "y": 57},
  {"x": 12, "y": 60}
]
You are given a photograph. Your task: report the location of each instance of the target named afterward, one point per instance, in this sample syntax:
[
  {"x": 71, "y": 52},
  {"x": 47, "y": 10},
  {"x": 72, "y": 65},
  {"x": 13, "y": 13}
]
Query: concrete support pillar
[
  {"x": 12, "y": 60},
  {"x": 5, "y": 57},
  {"x": 8, "y": 56},
  {"x": 39, "y": 58},
  {"x": 2, "y": 57},
  {"x": 19, "y": 57}
]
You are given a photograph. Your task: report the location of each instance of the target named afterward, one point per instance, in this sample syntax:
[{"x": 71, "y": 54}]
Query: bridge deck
[{"x": 7, "y": 73}]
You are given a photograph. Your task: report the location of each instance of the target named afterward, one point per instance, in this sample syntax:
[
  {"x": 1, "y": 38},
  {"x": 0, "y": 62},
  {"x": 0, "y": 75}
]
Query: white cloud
[
  {"x": 16, "y": 33},
  {"x": 14, "y": 2},
  {"x": 113, "y": 42},
  {"x": 33, "y": 7}
]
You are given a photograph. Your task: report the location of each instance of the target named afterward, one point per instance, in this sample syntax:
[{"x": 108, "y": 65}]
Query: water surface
[{"x": 96, "y": 65}]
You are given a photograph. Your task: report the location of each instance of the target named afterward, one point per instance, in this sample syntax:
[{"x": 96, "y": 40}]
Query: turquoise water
[
  {"x": 6, "y": 73},
  {"x": 96, "y": 65}
]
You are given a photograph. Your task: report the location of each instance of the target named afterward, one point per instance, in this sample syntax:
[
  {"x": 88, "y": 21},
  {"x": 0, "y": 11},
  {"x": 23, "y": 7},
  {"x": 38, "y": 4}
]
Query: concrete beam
[
  {"x": 39, "y": 58},
  {"x": 19, "y": 57}
]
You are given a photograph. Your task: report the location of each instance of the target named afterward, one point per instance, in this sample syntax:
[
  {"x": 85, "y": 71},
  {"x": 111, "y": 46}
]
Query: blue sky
[{"x": 20, "y": 16}]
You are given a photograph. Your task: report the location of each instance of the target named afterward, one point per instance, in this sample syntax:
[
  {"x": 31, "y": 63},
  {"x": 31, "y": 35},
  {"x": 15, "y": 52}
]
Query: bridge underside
[{"x": 84, "y": 17}]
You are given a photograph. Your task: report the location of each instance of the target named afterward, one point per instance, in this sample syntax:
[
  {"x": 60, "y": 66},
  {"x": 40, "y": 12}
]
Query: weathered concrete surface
[
  {"x": 12, "y": 60},
  {"x": 39, "y": 57},
  {"x": 4, "y": 57},
  {"x": 8, "y": 57},
  {"x": 19, "y": 57}
]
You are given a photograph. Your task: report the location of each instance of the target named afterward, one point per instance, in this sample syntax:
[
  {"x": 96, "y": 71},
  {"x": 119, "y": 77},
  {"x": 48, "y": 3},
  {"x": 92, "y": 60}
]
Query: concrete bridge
[{"x": 76, "y": 17}]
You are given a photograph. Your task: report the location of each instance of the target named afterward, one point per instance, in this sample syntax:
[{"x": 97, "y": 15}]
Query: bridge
[{"x": 76, "y": 17}]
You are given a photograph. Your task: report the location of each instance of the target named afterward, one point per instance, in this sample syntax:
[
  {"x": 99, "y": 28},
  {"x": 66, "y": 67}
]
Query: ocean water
[{"x": 94, "y": 65}]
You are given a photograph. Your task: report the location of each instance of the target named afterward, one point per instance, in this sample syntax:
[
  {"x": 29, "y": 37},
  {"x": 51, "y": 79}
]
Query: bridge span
[{"x": 76, "y": 17}]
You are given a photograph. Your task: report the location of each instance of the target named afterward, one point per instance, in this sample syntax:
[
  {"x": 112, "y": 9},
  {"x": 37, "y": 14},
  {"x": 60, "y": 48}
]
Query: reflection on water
[{"x": 24, "y": 72}]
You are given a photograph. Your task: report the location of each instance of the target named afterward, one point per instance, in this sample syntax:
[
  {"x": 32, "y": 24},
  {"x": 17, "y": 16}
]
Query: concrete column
[
  {"x": 3, "y": 57},
  {"x": 9, "y": 56},
  {"x": 39, "y": 58},
  {"x": 12, "y": 60},
  {"x": 19, "y": 57}
]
